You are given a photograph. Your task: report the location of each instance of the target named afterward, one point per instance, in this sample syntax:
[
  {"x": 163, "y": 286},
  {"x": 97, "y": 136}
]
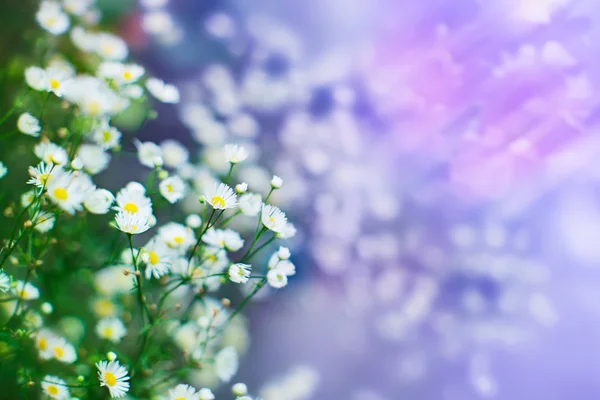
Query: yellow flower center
[
  {"x": 178, "y": 239},
  {"x": 180, "y": 398},
  {"x": 50, "y": 21},
  {"x": 107, "y": 332},
  {"x": 54, "y": 84},
  {"x": 104, "y": 307},
  {"x": 52, "y": 390},
  {"x": 127, "y": 75},
  {"x": 94, "y": 108},
  {"x": 43, "y": 344},
  {"x": 106, "y": 49},
  {"x": 110, "y": 378},
  {"x": 217, "y": 202},
  {"x": 106, "y": 136},
  {"x": 58, "y": 352},
  {"x": 131, "y": 208},
  {"x": 44, "y": 178},
  {"x": 153, "y": 257},
  {"x": 61, "y": 194},
  {"x": 170, "y": 188}
]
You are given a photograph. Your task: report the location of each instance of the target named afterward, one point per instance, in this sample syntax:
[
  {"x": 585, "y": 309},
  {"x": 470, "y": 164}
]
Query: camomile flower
[
  {"x": 94, "y": 158},
  {"x": 233, "y": 240},
  {"x": 163, "y": 91},
  {"x": 43, "y": 222},
  {"x": 114, "y": 376},
  {"x": 43, "y": 338},
  {"x": 132, "y": 224},
  {"x": 158, "y": 258},
  {"x": 277, "y": 278},
  {"x": 26, "y": 290},
  {"x": 149, "y": 154},
  {"x": 194, "y": 221},
  {"x": 288, "y": 231},
  {"x": 65, "y": 195},
  {"x": 183, "y": 392},
  {"x": 57, "y": 80},
  {"x": 174, "y": 153},
  {"x": 98, "y": 201},
  {"x": 106, "y": 136},
  {"x": 250, "y": 204},
  {"x": 223, "y": 239},
  {"x": 239, "y": 273},
  {"x": 276, "y": 182},
  {"x": 35, "y": 77},
  {"x": 104, "y": 307},
  {"x": 51, "y": 153},
  {"x": 29, "y": 125},
  {"x": 77, "y": 7},
  {"x": 111, "y": 328},
  {"x": 130, "y": 73},
  {"x": 241, "y": 188},
  {"x": 132, "y": 200},
  {"x": 55, "y": 388},
  {"x": 110, "y": 47},
  {"x": 4, "y": 282},
  {"x": 220, "y": 197},
  {"x": 177, "y": 236},
  {"x": 41, "y": 175},
  {"x": 52, "y": 18},
  {"x": 234, "y": 154},
  {"x": 62, "y": 350},
  {"x": 172, "y": 189},
  {"x": 226, "y": 363},
  {"x": 273, "y": 218},
  {"x": 206, "y": 394}
]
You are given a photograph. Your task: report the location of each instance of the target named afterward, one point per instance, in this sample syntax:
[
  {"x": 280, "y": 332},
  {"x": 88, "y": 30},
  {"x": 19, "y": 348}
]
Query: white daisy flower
[
  {"x": 174, "y": 153},
  {"x": 62, "y": 350},
  {"x": 158, "y": 258},
  {"x": 111, "y": 328},
  {"x": 132, "y": 224},
  {"x": 55, "y": 388},
  {"x": 98, "y": 201},
  {"x": 123, "y": 74},
  {"x": 239, "y": 273},
  {"x": 110, "y": 47},
  {"x": 177, "y": 236},
  {"x": 250, "y": 204},
  {"x": 233, "y": 240},
  {"x": 57, "y": 80},
  {"x": 194, "y": 221},
  {"x": 214, "y": 237},
  {"x": 132, "y": 199},
  {"x": 234, "y": 154},
  {"x": 288, "y": 231},
  {"x": 4, "y": 282},
  {"x": 183, "y": 392},
  {"x": 43, "y": 338},
  {"x": 220, "y": 197},
  {"x": 163, "y": 91},
  {"x": 52, "y": 18},
  {"x": 43, "y": 222},
  {"x": 64, "y": 194},
  {"x": 239, "y": 389},
  {"x": 35, "y": 77},
  {"x": 51, "y": 153},
  {"x": 172, "y": 188},
  {"x": 241, "y": 188},
  {"x": 41, "y": 175},
  {"x": 276, "y": 278},
  {"x": 26, "y": 291},
  {"x": 149, "y": 154},
  {"x": 106, "y": 136},
  {"x": 77, "y": 7},
  {"x": 276, "y": 182},
  {"x": 273, "y": 218},
  {"x": 29, "y": 125},
  {"x": 114, "y": 376},
  {"x": 205, "y": 394},
  {"x": 226, "y": 363},
  {"x": 94, "y": 158}
]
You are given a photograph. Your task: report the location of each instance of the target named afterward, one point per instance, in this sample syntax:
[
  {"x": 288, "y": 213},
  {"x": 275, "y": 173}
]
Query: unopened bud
[{"x": 226, "y": 302}]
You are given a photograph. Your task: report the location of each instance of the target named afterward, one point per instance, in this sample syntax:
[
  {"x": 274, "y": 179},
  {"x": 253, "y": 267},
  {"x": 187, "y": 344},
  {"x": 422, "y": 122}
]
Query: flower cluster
[{"x": 111, "y": 288}]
